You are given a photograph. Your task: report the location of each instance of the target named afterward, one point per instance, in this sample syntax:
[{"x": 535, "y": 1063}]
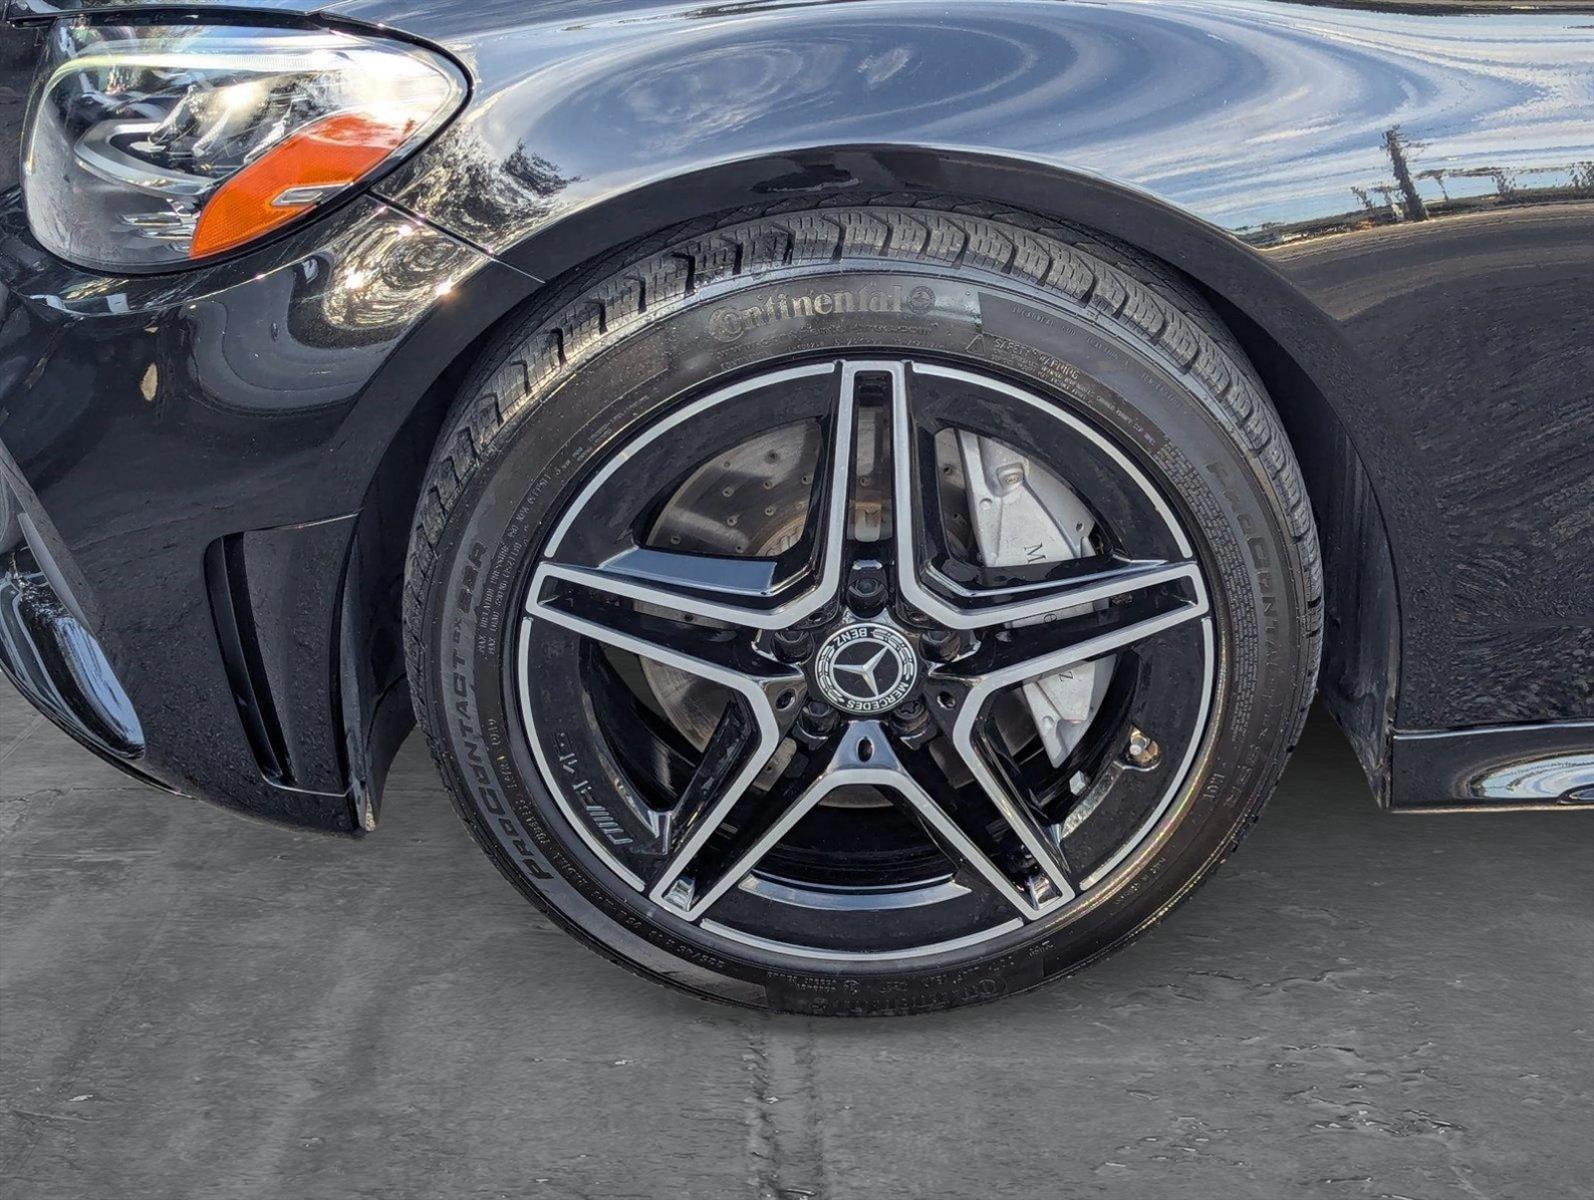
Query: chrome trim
[{"x": 1497, "y": 768}]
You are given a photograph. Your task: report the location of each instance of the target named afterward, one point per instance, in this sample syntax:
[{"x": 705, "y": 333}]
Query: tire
[{"x": 1115, "y": 342}]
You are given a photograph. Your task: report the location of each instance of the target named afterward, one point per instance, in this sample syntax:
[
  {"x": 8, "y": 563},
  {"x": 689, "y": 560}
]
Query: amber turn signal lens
[
  {"x": 312, "y": 165},
  {"x": 158, "y": 146}
]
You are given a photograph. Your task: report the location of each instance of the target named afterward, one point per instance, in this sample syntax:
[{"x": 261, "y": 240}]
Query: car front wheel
[{"x": 870, "y": 609}]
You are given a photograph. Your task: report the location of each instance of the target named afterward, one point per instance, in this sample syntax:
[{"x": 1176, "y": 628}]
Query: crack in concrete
[{"x": 784, "y": 1143}]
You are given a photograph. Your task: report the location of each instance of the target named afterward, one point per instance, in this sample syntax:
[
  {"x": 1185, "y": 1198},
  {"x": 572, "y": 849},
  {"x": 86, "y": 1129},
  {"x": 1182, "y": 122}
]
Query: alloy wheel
[{"x": 865, "y": 659}]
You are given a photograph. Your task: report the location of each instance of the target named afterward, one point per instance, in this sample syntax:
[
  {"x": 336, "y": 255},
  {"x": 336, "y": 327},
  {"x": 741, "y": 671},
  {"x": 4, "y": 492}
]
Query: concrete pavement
[{"x": 192, "y": 1005}]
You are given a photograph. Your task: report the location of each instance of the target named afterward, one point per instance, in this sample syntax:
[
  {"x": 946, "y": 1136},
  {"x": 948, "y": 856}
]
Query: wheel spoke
[
  {"x": 691, "y": 882},
  {"x": 740, "y": 591},
  {"x": 1065, "y": 588},
  {"x": 1041, "y": 840},
  {"x": 1017, "y": 655},
  {"x": 745, "y": 739},
  {"x": 721, "y": 776},
  {"x": 721, "y": 589},
  {"x": 834, "y": 492},
  {"x": 688, "y": 579},
  {"x": 647, "y": 622},
  {"x": 961, "y": 824},
  {"x": 1072, "y": 587}
]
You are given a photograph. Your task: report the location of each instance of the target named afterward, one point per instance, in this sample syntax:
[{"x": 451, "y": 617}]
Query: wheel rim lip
[{"x": 1097, "y": 886}]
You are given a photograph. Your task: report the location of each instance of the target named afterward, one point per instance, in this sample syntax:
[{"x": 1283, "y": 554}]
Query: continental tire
[{"x": 870, "y": 609}]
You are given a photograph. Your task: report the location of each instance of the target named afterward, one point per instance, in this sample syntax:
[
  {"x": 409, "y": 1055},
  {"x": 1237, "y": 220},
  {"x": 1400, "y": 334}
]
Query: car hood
[
  {"x": 16, "y": 10},
  {"x": 396, "y": 14},
  {"x": 428, "y": 19}
]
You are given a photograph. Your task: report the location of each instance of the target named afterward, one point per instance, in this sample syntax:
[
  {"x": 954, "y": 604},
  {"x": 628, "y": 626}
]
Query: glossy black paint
[
  {"x": 1393, "y": 204},
  {"x": 147, "y": 418},
  {"x": 1503, "y": 767},
  {"x": 1230, "y": 138}
]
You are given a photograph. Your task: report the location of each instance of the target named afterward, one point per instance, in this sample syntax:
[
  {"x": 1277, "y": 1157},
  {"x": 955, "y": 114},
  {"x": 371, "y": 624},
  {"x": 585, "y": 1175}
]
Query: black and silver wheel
[{"x": 864, "y": 610}]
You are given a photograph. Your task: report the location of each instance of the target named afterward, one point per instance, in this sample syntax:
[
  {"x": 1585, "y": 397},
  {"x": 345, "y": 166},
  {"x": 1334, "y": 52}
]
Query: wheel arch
[{"x": 1309, "y": 371}]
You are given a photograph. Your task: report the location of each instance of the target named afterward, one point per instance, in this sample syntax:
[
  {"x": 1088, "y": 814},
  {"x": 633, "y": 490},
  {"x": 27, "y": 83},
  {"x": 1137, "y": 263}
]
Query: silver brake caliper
[{"x": 1023, "y": 514}]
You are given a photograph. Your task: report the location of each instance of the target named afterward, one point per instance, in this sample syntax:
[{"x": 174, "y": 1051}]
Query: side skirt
[{"x": 1494, "y": 768}]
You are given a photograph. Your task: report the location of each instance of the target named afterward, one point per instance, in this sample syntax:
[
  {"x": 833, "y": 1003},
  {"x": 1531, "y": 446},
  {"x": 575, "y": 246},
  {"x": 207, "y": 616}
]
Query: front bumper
[
  {"x": 186, "y": 460},
  {"x": 48, "y": 653}
]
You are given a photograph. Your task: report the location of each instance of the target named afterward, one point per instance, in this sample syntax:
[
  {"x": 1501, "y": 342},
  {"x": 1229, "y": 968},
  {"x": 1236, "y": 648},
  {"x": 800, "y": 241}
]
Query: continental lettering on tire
[{"x": 730, "y": 322}]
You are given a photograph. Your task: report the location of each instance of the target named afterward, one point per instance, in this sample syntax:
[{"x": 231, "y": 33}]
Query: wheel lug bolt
[
  {"x": 942, "y": 645},
  {"x": 820, "y": 619},
  {"x": 911, "y": 718},
  {"x": 866, "y": 590},
  {"x": 793, "y": 645},
  {"x": 818, "y": 718}
]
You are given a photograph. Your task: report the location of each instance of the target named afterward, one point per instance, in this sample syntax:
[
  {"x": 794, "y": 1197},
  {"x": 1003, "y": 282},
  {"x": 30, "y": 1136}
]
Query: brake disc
[{"x": 751, "y": 501}]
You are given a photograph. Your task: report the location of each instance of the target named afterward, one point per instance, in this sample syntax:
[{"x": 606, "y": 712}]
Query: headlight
[{"x": 152, "y": 146}]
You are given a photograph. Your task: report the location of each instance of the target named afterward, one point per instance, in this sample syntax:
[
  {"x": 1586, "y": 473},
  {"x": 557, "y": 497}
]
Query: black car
[{"x": 859, "y": 496}]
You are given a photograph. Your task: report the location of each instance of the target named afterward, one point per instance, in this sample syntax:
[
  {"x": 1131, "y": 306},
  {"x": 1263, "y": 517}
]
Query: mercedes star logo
[{"x": 866, "y": 669}]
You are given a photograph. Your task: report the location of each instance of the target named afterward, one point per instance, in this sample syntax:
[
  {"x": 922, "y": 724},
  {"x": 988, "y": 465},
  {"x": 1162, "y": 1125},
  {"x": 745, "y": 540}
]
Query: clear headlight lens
[{"x": 152, "y": 146}]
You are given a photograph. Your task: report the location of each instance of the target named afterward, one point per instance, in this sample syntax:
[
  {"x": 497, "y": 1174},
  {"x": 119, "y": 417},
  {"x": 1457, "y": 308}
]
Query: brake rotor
[{"x": 749, "y": 502}]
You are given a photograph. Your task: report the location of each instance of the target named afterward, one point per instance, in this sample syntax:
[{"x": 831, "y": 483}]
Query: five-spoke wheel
[
  {"x": 872, "y": 609},
  {"x": 874, "y": 652}
]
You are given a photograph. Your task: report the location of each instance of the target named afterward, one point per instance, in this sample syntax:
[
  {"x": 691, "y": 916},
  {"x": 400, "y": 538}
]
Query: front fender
[{"x": 1397, "y": 199}]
